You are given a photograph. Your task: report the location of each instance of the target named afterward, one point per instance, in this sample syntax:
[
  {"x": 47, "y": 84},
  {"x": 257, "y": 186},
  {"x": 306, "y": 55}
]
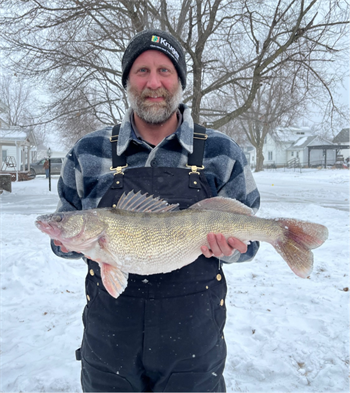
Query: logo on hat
[
  {"x": 155, "y": 38},
  {"x": 165, "y": 43}
]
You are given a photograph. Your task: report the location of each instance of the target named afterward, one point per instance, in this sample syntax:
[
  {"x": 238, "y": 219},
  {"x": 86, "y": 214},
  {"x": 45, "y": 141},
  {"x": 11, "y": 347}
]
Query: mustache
[{"x": 161, "y": 92}]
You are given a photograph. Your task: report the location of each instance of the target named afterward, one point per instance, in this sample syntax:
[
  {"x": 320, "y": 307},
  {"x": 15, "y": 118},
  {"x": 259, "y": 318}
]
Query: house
[
  {"x": 250, "y": 153},
  {"x": 17, "y": 144},
  {"x": 17, "y": 148},
  {"x": 287, "y": 146},
  {"x": 343, "y": 138},
  {"x": 303, "y": 153}
]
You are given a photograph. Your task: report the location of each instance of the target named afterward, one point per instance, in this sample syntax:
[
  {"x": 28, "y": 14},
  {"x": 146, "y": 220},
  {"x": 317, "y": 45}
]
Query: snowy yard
[{"x": 284, "y": 334}]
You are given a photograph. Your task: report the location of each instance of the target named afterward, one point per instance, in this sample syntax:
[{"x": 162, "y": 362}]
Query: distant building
[
  {"x": 250, "y": 153},
  {"x": 289, "y": 147},
  {"x": 17, "y": 144},
  {"x": 17, "y": 148},
  {"x": 343, "y": 138}
]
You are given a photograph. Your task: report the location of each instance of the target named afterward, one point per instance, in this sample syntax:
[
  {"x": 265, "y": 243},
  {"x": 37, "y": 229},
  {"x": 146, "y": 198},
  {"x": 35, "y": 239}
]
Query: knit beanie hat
[{"x": 154, "y": 40}]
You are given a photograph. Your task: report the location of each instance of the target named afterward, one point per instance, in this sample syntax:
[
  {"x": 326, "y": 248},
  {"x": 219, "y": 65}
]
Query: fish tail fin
[{"x": 299, "y": 238}]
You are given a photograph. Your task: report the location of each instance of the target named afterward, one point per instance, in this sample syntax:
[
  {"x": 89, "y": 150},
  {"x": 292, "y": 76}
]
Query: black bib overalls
[{"x": 165, "y": 331}]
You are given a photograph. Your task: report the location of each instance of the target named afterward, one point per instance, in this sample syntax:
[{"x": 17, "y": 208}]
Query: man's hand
[
  {"x": 62, "y": 247},
  {"x": 219, "y": 247}
]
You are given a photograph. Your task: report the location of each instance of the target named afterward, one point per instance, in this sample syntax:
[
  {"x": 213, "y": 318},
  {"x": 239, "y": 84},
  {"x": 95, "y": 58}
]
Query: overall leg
[
  {"x": 112, "y": 344},
  {"x": 185, "y": 350}
]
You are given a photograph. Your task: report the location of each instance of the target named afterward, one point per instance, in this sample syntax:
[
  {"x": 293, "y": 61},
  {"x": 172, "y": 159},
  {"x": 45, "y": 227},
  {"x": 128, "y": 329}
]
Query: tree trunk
[
  {"x": 197, "y": 91},
  {"x": 259, "y": 159}
]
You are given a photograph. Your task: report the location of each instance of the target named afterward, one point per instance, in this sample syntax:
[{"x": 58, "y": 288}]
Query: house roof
[
  {"x": 247, "y": 147},
  {"x": 305, "y": 141},
  {"x": 343, "y": 136},
  {"x": 21, "y": 136},
  {"x": 291, "y": 134},
  {"x": 302, "y": 142}
]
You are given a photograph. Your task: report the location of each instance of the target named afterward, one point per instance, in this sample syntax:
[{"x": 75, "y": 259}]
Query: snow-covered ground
[{"x": 284, "y": 334}]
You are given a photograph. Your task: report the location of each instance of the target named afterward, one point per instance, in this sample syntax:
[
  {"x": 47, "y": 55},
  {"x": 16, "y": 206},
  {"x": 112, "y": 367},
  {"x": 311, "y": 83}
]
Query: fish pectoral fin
[
  {"x": 114, "y": 279},
  {"x": 224, "y": 205}
]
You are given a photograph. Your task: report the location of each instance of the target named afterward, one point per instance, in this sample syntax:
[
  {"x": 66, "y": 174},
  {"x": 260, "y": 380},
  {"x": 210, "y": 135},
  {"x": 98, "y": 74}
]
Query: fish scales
[
  {"x": 155, "y": 237},
  {"x": 151, "y": 238}
]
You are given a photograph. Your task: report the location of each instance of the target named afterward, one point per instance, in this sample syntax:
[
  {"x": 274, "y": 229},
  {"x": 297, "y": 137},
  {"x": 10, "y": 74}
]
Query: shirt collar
[
  {"x": 184, "y": 131},
  {"x": 136, "y": 132}
]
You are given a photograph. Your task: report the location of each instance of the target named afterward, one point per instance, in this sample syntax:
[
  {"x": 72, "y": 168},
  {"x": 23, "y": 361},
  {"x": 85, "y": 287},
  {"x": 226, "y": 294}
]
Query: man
[
  {"x": 46, "y": 167},
  {"x": 165, "y": 331}
]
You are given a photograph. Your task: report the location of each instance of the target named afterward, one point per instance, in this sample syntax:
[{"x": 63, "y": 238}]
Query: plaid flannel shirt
[{"x": 86, "y": 174}]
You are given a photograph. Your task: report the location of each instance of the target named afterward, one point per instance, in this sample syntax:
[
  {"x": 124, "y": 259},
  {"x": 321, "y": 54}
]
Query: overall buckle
[
  {"x": 118, "y": 170},
  {"x": 195, "y": 168}
]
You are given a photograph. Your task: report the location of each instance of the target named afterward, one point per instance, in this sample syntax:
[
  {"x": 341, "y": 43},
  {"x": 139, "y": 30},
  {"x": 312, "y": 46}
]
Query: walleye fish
[{"x": 144, "y": 235}]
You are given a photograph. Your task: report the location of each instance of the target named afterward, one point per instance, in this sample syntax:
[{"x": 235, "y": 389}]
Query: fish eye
[{"x": 57, "y": 218}]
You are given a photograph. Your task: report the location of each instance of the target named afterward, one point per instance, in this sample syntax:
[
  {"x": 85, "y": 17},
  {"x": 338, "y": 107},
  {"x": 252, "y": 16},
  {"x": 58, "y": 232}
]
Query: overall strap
[
  {"x": 118, "y": 162},
  {"x": 199, "y": 138},
  {"x": 195, "y": 160}
]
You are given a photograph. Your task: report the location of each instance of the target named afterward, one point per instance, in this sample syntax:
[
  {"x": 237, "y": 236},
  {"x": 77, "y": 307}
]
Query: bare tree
[
  {"x": 73, "y": 124},
  {"x": 21, "y": 105},
  {"x": 18, "y": 99},
  {"x": 242, "y": 44},
  {"x": 275, "y": 105},
  {"x": 231, "y": 45},
  {"x": 71, "y": 46}
]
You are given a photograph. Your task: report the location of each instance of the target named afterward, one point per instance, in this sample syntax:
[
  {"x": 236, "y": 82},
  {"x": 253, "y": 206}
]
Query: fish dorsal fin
[
  {"x": 224, "y": 205},
  {"x": 142, "y": 203}
]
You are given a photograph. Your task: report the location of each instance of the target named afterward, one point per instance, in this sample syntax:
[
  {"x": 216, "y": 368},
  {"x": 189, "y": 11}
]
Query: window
[
  {"x": 4, "y": 155},
  {"x": 270, "y": 155}
]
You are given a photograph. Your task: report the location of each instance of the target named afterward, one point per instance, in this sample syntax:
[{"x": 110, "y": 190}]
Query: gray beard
[{"x": 154, "y": 113}]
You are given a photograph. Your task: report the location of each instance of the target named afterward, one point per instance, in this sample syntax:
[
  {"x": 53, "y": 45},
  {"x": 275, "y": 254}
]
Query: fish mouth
[
  {"x": 52, "y": 226},
  {"x": 46, "y": 227}
]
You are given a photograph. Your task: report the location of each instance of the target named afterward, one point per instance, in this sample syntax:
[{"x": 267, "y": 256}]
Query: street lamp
[{"x": 49, "y": 155}]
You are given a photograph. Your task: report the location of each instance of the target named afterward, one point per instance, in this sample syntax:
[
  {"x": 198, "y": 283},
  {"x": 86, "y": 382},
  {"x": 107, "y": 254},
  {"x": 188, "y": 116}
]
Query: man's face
[{"x": 154, "y": 90}]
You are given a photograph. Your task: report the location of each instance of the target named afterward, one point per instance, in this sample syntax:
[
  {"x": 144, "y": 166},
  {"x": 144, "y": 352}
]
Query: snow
[
  {"x": 284, "y": 334},
  {"x": 292, "y": 134},
  {"x": 12, "y": 134},
  {"x": 300, "y": 141}
]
